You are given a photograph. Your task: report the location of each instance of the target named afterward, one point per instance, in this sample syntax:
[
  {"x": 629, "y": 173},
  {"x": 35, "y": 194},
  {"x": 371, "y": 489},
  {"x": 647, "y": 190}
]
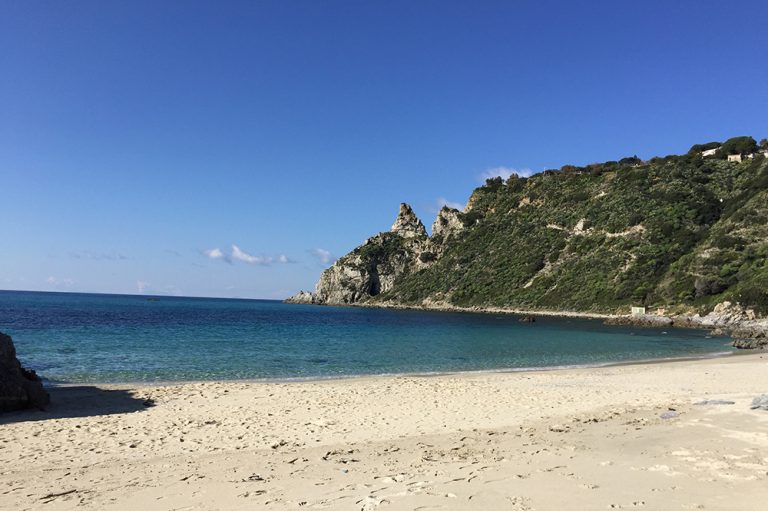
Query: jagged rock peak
[
  {"x": 407, "y": 223},
  {"x": 447, "y": 222}
]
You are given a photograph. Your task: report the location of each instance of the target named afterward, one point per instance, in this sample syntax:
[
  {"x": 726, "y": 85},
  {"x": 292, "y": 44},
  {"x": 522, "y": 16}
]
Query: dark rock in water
[
  {"x": 19, "y": 388},
  {"x": 527, "y": 319},
  {"x": 750, "y": 338},
  {"x": 715, "y": 402},
  {"x": 750, "y": 344},
  {"x": 760, "y": 402}
]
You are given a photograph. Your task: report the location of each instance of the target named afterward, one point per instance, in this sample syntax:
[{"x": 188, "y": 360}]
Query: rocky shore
[
  {"x": 19, "y": 388},
  {"x": 741, "y": 324}
]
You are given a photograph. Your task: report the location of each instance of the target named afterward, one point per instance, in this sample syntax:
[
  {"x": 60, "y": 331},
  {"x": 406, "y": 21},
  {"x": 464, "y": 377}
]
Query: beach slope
[{"x": 623, "y": 437}]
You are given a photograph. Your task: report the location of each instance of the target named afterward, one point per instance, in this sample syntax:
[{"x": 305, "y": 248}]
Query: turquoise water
[{"x": 114, "y": 338}]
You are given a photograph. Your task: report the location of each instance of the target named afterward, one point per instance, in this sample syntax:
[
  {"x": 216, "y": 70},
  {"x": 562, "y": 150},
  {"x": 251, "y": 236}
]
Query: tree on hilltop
[
  {"x": 737, "y": 145},
  {"x": 700, "y": 148}
]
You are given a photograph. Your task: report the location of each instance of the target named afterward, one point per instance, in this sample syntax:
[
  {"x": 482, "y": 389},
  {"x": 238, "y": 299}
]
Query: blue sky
[{"x": 139, "y": 140}]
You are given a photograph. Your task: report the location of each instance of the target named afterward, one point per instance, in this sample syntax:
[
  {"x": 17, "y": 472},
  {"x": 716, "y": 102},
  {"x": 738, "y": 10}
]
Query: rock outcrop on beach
[
  {"x": 19, "y": 388},
  {"x": 685, "y": 234}
]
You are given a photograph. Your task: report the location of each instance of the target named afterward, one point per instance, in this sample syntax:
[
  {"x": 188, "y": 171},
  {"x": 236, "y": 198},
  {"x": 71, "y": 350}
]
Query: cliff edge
[{"x": 373, "y": 267}]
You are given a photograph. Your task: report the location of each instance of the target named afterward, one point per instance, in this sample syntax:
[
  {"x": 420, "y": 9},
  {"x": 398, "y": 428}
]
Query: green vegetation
[
  {"x": 680, "y": 230},
  {"x": 698, "y": 148},
  {"x": 737, "y": 145}
]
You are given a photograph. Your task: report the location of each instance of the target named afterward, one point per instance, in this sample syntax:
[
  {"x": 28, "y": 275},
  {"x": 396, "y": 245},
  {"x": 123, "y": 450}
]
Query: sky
[{"x": 235, "y": 149}]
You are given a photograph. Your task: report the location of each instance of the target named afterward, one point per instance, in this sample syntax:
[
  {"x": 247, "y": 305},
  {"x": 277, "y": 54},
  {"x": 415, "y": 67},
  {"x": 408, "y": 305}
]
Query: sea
[{"x": 100, "y": 338}]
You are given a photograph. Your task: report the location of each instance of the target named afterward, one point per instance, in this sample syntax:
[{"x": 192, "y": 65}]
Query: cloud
[
  {"x": 238, "y": 254},
  {"x": 142, "y": 286},
  {"x": 99, "y": 256},
  {"x": 442, "y": 201},
  {"x": 57, "y": 282},
  {"x": 504, "y": 173},
  {"x": 322, "y": 255},
  {"x": 241, "y": 255},
  {"x": 216, "y": 253}
]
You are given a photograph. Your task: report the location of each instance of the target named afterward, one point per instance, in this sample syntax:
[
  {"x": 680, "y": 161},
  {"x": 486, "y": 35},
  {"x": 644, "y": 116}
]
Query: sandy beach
[{"x": 620, "y": 437}]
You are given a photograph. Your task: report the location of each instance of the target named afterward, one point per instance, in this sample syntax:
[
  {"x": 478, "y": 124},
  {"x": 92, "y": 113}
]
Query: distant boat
[{"x": 153, "y": 299}]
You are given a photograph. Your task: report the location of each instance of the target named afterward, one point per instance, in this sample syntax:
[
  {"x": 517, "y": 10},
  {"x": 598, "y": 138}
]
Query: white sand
[{"x": 571, "y": 439}]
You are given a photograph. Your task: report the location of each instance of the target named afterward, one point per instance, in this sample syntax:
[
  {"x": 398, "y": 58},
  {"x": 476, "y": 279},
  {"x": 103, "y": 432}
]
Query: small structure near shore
[{"x": 638, "y": 311}]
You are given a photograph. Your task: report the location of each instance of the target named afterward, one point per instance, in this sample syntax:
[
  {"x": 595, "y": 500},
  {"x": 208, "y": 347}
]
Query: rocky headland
[{"x": 685, "y": 237}]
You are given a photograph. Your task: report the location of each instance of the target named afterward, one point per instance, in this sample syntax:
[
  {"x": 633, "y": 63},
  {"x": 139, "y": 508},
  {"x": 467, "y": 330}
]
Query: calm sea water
[{"x": 116, "y": 338}]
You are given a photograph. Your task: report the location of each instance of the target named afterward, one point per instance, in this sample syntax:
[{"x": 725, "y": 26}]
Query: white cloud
[
  {"x": 215, "y": 253},
  {"x": 322, "y": 255},
  {"x": 442, "y": 201},
  {"x": 284, "y": 259},
  {"x": 241, "y": 255},
  {"x": 238, "y": 254},
  {"x": 504, "y": 173},
  {"x": 57, "y": 282},
  {"x": 142, "y": 286}
]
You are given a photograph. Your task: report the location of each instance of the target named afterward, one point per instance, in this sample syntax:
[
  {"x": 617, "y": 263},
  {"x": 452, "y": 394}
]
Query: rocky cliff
[
  {"x": 679, "y": 234},
  {"x": 19, "y": 387},
  {"x": 373, "y": 267}
]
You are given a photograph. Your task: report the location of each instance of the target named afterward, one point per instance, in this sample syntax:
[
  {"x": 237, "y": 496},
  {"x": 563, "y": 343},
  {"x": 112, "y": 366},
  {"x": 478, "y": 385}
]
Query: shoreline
[
  {"x": 355, "y": 377},
  {"x": 745, "y": 329},
  {"x": 474, "y": 309}
]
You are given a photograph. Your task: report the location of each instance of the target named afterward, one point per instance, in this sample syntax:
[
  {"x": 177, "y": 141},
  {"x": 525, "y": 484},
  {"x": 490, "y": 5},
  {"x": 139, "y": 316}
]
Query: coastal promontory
[{"x": 678, "y": 234}]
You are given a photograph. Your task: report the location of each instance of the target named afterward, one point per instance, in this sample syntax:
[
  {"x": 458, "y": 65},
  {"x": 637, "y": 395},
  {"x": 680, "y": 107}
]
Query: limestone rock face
[
  {"x": 407, "y": 224},
  {"x": 19, "y": 387},
  {"x": 447, "y": 224},
  {"x": 373, "y": 267},
  {"x": 726, "y": 314},
  {"x": 370, "y": 269},
  {"x": 301, "y": 297}
]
